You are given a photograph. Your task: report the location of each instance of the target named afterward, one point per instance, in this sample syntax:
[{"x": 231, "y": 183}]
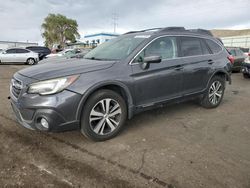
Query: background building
[
  {"x": 10, "y": 44},
  {"x": 237, "y": 41},
  {"x": 98, "y": 38},
  {"x": 234, "y": 38}
]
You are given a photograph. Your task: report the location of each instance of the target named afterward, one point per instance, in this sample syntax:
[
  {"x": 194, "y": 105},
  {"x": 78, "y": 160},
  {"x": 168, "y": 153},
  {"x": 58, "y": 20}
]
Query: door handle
[
  {"x": 210, "y": 62},
  {"x": 178, "y": 67}
]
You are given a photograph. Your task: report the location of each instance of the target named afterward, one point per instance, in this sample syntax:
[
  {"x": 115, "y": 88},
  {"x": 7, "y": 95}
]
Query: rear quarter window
[{"x": 214, "y": 47}]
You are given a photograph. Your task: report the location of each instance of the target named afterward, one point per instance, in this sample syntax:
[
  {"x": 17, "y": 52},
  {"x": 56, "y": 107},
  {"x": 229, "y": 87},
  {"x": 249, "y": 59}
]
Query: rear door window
[
  {"x": 214, "y": 47},
  {"x": 191, "y": 46},
  {"x": 21, "y": 51}
]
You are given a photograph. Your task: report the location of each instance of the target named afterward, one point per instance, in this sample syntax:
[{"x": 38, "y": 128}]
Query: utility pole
[{"x": 115, "y": 21}]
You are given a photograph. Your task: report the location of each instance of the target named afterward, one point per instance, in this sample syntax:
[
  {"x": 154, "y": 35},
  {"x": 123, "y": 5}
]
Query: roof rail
[
  {"x": 201, "y": 31},
  {"x": 130, "y": 32},
  {"x": 180, "y": 29},
  {"x": 144, "y": 30},
  {"x": 172, "y": 29},
  {"x": 152, "y": 29}
]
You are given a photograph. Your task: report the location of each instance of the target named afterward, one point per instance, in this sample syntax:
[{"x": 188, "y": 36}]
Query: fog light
[{"x": 44, "y": 123}]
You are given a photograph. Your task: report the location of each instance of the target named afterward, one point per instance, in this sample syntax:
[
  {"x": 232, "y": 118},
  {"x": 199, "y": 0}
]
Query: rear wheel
[
  {"x": 30, "y": 61},
  {"x": 103, "y": 116},
  {"x": 215, "y": 92}
]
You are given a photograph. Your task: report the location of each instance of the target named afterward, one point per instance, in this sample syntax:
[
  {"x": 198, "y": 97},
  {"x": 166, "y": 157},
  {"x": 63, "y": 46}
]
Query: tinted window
[
  {"x": 11, "y": 51},
  {"x": 191, "y": 46},
  {"x": 47, "y": 50},
  {"x": 32, "y": 48},
  {"x": 245, "y": 50},
  {"x": 39, "y": 49},
  {"x": 21, "y": 51},
  {"x": 165, "y": 47},
  {"x": 204, "y": 47},
  {"x": 214, "y": 47}
]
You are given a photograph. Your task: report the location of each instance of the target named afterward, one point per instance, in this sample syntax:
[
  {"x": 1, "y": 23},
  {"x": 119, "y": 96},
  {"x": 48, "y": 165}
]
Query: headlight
[{"x": 52, "y": 86}]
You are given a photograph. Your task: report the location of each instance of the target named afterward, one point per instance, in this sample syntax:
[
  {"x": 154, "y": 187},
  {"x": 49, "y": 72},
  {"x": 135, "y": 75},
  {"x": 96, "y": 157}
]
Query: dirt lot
[{"x": 180, "y": 146}]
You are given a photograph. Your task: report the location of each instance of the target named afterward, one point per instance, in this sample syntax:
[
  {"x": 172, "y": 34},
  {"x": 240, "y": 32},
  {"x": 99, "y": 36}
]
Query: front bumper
[{"x": 59, "y": 110}]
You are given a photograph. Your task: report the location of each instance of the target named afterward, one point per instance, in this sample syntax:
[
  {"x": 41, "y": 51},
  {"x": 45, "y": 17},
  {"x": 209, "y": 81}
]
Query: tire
[
  {"x": 214, "y": 94},
  {"x": 30, "y": 61},
  {"x": 246, "y": 75},
  {"x": 97, "y": 122}
]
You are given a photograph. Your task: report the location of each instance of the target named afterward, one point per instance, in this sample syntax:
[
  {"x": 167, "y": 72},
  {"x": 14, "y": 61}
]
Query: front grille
[{"x": 16, "y": 87}]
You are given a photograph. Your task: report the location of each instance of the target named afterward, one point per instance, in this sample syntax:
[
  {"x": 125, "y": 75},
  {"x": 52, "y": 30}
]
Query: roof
[
  {"x": 102, "y": 34},
  {"x": 173, "y": 30}
]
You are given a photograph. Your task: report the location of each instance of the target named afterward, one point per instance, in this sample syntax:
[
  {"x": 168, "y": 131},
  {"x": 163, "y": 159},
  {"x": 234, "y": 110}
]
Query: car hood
[{"x": 64, "y": 68}]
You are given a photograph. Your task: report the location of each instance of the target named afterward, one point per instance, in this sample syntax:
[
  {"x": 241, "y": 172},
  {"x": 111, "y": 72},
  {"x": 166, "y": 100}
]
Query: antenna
[{"x": 115, "y": 21}]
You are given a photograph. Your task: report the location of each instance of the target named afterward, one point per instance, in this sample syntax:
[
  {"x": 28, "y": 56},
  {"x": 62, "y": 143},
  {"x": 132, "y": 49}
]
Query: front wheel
[
  {"x": 103, "y": 116},
  {"x": 214, "y": 94}
]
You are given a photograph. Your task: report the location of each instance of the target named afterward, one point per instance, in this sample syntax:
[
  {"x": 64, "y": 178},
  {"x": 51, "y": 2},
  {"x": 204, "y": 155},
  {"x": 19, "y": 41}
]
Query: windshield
[{"x": 115, "y": 49}]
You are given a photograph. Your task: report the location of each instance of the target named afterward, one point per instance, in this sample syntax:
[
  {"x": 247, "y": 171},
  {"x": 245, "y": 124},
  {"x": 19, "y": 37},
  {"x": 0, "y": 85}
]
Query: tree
[{"x": 58, "y": 29}]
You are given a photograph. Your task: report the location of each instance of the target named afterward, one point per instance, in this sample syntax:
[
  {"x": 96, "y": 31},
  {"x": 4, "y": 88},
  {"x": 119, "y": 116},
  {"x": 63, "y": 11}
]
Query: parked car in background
[
  {"x": 247, "y": 53},
  {"x": 124, "y": 76},
  {"x": 81, "y": 53},
  {"x": 246, "y": 69},
  {"x": 19, "y": 55},
  {"x": 63, "y": 53},
  {"x": 69, "y": 55},
  {"x": 238, "y": 56},
  {"x": 41, "y": 50}
]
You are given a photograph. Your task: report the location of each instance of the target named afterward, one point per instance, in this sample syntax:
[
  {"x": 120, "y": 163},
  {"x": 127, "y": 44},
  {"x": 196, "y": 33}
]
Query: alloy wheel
[
  {"x": 215, "y": 92},
  {"x": 105, "y": 116},
  {"x": 31, "y": 61}
]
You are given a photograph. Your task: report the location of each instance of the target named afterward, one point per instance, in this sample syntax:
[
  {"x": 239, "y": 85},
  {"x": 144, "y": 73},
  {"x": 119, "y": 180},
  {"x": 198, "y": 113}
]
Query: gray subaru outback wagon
[{"x": 134, "y": 72}]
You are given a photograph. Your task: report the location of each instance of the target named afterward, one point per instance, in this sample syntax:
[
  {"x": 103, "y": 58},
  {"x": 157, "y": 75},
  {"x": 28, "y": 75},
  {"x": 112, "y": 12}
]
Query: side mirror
[
  {"x": 148, "y": 60},
  {"x": 152, "y": 59}
]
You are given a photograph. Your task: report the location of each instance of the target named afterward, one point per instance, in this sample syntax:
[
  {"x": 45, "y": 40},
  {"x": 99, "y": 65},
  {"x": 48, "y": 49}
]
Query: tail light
[
  {"x": 249, "y": 54},
  {"x": 230, "y": 58}
]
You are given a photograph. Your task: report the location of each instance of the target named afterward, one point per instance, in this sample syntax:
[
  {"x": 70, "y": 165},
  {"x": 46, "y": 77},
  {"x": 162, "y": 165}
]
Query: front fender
[{"x": 95, "y": 87}]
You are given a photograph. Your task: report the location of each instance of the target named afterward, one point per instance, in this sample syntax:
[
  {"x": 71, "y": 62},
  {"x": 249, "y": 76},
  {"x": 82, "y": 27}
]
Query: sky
[{"x": 20, "y": 20}]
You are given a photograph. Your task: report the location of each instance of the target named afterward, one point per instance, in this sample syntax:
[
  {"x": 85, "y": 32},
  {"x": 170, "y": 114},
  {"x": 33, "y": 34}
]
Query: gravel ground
[{"x": 180, "y": 146}]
